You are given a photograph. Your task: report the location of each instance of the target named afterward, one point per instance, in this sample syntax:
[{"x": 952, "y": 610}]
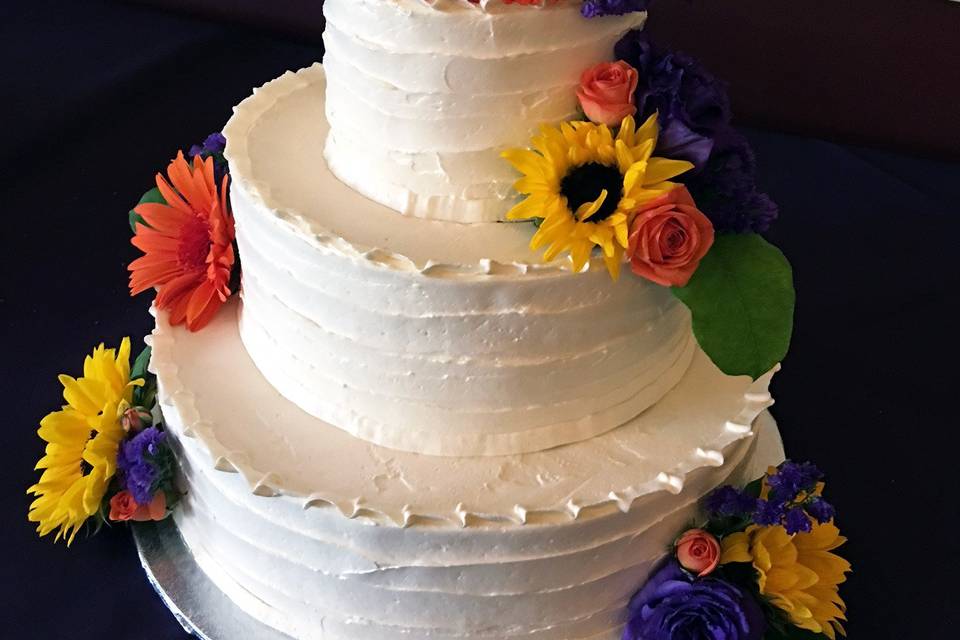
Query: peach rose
[
  {"x": 668, "y": 238},
  {"x": 606, "y": 92},
  {"x": 698, "y": 551},
  {"x": 124, "y": 507}
]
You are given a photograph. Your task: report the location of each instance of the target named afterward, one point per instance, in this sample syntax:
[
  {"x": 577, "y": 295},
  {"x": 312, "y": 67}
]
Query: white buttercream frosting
[
  {"x": 463, "y": 359},
  {"x": 422, "y": 97},
  {"x": 324, "y": 536}
]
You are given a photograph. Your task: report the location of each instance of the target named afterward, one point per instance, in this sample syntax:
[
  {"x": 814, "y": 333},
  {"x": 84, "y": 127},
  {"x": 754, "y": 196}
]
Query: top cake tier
[{"x": 423, "y": 96}]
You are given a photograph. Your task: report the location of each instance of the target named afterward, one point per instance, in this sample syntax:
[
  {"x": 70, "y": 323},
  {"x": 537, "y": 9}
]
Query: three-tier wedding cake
[{"x": 411, "y": 426}]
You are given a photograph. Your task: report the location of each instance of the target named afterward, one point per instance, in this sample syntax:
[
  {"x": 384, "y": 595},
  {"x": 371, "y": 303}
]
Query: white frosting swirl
[{"x": 421, "y": 101}]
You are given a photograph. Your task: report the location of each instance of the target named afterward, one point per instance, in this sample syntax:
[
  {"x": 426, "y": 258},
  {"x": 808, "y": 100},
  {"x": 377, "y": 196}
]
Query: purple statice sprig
[
  {"x": 144, "y": 462},
  {"x": 597, "y": 8},
  {"x": 695, "y": 118},
  {"x": 792, "y": 499},
  {"x": 212, "y": 146}
]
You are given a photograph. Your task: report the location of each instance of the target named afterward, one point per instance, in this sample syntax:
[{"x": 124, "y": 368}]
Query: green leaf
[
  {"x": 755, "y": 488},
  {"x": 143, "y": 396},
  {"x": 150, "y": 197},
  {"x": 139, "y": 368},
  {"x": 742, "y": 300}
]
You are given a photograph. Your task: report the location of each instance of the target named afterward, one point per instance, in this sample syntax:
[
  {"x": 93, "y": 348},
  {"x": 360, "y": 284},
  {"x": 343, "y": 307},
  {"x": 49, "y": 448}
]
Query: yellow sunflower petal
[
  {"x": 587, "y": 209},
  {"x": 613, "y": 264},
  {"x": 662, "y": 169},
  {"x": 82, "y": 441}
]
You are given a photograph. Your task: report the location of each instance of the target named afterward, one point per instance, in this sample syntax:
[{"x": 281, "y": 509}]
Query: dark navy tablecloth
[{"x": 95, "y": 98}]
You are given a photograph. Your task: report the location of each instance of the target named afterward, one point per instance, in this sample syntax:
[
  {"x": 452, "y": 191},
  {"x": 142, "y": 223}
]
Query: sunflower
[
  {"x": 586, "y": 185},
  {"x": 187, "y": 242},
  {"x": 82, "y": 440},
  {"x": 798, "y": 573}
]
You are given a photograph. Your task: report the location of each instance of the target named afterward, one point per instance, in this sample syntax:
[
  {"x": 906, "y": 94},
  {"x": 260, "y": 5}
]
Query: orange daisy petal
[
  {"x": 162, "y": 217},
  {"x": 171, "y": 196},
  {"x": 203, "y": 297}
]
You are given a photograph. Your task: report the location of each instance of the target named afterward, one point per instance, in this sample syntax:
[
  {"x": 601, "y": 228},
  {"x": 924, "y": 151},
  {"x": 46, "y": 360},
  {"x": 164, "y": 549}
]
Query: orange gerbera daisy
[{"x": 187, "y": 242}]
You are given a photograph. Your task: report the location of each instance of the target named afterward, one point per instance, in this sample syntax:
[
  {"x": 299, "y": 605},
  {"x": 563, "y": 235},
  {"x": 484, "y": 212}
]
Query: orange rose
[
  {"x": 606, "y": 92},
  {"x": 698, "y": 551},
  {"x": 124, "y": 507},
  {"x": 668, "y": 238}
]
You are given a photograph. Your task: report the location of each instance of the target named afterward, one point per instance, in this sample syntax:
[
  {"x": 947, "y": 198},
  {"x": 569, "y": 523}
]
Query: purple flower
[
  {"x": 596, "y": 8},
  {"x": 821, "y": 510},
  {"x": 213, "y": 146},
  {"x": 672, "y": 605},
  {"x": 213, "y": 143},
  {"x": 137, "y": 461},
  {"x": 768, "y": 513},
  {"x": 791, "y": 478},
  {"x": 692, "y": 104},
  {"x": 726, "y": 189},
  {"x": 729, "y": 501},
  {"x": 797, "y": 521}
]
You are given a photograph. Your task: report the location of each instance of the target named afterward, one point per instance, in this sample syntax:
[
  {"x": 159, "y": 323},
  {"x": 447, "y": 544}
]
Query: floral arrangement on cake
[
  {"x": 184, "y": 227},
  {"x": 107, "y": 456},
  {"x": 675, "y": 198},
  {"x": 761, "y": 567}
]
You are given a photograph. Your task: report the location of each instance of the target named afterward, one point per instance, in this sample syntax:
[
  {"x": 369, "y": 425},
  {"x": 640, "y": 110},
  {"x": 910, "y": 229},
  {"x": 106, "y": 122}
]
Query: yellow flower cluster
[
  {"x": 798, "y": 573},
  {"x": 601, "y": 214},
  {"x": 82, "y": 441}
]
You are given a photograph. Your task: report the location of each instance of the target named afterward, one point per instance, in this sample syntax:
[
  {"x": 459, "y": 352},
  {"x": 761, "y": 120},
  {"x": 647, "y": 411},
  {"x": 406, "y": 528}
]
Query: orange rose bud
[
  {"x": 136, "y": 419},
  {"x": 156, "y": 510},
  {"x": 668, "y": 238},
  {"x": 123, "y": 506},
  {"x": 698, "y": 552},
  {"x": 606, "y": 92}
]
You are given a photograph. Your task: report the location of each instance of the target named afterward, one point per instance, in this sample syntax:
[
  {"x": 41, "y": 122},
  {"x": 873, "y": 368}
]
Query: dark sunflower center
[{"x": 584, "y": 184}]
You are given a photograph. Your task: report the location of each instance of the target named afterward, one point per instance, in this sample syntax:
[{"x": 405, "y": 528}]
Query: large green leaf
[
  {"x": 152, "y": 196},
  {"x": 742, "y": 299}
]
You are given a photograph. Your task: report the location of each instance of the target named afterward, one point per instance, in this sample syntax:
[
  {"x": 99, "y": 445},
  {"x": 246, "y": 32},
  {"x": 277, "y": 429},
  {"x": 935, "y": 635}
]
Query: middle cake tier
[{"x": 428, "y": 336}]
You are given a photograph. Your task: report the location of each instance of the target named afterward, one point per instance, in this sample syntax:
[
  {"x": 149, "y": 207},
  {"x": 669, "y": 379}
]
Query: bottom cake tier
[{"x": 321, "y": 535}]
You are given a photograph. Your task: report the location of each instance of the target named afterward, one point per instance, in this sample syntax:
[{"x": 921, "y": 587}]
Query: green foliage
[
  {"x": 146, "y": 395},
  {"x": 724, "y": 526},
  {"x": 742, "y": 301},
  {"x": 150, "y": 197}
]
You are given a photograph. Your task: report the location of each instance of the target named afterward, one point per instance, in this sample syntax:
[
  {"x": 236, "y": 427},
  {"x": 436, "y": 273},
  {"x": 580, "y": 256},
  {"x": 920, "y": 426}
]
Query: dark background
[{"x": 97, "y": 96}]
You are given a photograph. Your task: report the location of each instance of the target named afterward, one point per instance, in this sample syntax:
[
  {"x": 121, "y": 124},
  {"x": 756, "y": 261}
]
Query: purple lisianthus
[
  {"x": 726, "y": 189},
  {"x": 729, "y": 501},
  {"x": 137, "y": 462},
  {"x": 673, "y": 604},
  {"x": 692, "y": 104},
  {"x": 596, "y": 8},
  {"x": 212, "y": 147}
]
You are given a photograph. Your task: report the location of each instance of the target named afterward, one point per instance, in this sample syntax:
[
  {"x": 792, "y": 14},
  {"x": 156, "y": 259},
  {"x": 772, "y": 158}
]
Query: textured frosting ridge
[
  {"x": 321, "y": 535},
  {"x": 431, "y": 360},
  {"x": 280, "y": 450},
  {"x": 421, "y": 101}
]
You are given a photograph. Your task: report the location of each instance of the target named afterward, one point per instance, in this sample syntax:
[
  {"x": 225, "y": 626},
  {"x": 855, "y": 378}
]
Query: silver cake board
[
  {"x": 207, "y": 613},
  {"x": 195, "y": 601}
]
